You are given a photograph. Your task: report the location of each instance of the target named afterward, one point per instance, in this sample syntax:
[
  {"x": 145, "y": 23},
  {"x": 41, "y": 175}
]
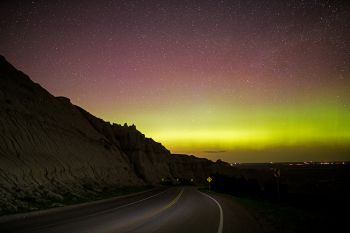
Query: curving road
[{"x": 178, "y": 209}]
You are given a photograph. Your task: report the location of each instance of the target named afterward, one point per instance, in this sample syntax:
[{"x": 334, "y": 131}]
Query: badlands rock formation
[{"x": 51, "y": 150}]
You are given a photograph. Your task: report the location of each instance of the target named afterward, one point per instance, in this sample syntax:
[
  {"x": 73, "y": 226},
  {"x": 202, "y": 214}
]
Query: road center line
[
  {"x": 99, "y": 212},
  {"x": 132, "y": 203},
  {"x": 152, "y": 214},
  {"x": 170, "y": 204},
  {"x": 221, "y": 222},
  {"x": 175, "y": 200},
  {"x": 123, "y": 206}
]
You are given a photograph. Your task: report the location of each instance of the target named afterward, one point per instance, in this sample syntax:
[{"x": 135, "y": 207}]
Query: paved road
[{"x": 178, "y": 209}]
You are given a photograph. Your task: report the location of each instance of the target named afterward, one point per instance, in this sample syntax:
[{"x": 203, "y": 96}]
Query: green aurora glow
[{"x": 201, "y": 129}]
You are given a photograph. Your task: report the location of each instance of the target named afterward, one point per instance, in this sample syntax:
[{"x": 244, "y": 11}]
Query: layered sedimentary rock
[
  {"x": 149, "y": 159},
  {"x": 48, "y": 147},
  {"x": 51, "y": 149}
]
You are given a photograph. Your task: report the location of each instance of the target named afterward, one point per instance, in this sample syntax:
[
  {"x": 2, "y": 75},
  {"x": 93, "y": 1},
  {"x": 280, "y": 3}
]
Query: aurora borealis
[{"x": 208, "y": 78}]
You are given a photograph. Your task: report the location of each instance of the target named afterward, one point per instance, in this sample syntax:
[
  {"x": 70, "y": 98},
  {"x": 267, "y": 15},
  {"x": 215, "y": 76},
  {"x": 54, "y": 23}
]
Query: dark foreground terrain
[{"x": 306, "y": 197}]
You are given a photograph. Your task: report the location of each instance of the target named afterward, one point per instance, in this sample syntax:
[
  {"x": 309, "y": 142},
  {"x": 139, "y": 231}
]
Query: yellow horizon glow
[{"x": 202, "y": 128}]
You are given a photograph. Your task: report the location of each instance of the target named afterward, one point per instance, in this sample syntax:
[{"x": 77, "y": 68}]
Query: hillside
[{"x": 51, "y": 149}]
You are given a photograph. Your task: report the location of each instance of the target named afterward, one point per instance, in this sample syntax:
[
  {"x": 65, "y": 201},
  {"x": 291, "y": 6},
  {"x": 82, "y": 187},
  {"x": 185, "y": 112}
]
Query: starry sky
[{"x": 245, "y": 80}]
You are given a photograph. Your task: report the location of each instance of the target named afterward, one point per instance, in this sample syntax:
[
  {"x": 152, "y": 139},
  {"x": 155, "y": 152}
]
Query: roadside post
[
  {"x": 277, "y": 175},
  {"x": 209, "y": 179}
]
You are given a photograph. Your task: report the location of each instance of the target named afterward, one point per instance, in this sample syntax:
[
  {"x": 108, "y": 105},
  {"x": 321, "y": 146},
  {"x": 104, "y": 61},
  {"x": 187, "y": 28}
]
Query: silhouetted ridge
[
  {"x": 52, "y": 150},
  {"x": 5, "y": 66}
]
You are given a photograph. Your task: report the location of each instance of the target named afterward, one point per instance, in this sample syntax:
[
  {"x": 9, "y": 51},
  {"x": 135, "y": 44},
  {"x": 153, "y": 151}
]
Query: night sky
[{"x": 218, "y": 79}]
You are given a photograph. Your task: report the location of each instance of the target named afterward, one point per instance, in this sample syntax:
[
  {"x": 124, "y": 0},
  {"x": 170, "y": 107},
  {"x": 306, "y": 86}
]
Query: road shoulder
[{"x": 52, "y": 211}]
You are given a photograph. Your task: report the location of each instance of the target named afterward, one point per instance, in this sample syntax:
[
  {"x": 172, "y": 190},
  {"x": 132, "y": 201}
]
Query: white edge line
[{"x": 221, "y": 222}]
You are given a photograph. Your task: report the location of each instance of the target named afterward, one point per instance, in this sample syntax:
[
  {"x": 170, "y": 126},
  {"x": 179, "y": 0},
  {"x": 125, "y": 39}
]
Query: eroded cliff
[{"x": 51, "y": 150}]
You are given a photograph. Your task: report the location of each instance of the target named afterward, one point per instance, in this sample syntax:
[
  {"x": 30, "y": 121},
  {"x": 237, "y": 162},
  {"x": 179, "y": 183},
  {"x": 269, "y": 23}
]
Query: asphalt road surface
[{"x": 177, "y": 209}]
